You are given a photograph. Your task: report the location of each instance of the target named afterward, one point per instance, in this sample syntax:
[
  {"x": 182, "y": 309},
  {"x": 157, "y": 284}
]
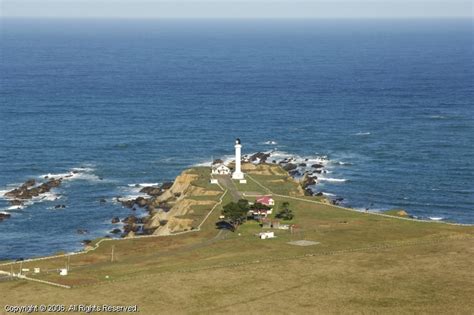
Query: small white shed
[{"x": 265, "y": 235}]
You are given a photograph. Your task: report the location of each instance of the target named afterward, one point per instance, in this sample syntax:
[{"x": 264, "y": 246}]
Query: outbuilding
[{"x": 220, "y": 169}]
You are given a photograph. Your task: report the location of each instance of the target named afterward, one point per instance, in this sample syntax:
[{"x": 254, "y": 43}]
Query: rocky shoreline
[{"x": 305, "y": 172}]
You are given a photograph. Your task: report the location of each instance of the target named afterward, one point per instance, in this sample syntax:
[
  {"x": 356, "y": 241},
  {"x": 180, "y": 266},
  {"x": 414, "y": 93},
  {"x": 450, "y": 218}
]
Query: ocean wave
[
  {"x": 342, "y": 163},
  {"x": 12, "y": 208},
  {"x": 332, "y": 180},
  {"x": 436, "y": 218},
  {"x": 226, "y": 159},
  {"x": 328, "y": 194},
  {"x": 76, "y": 173},
  {"x": 270, "y": 142},
  {"x": 362, "y": 134},
  {"x": 49, "y": 196},
  {"x": 3, "y": 192},
  {"x": 437, "y": 117},
  {"x": 144, "y": 185}
]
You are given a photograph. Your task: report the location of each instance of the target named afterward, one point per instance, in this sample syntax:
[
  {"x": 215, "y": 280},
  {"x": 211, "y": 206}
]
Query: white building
[
  {"x": 220, "y": 169},
  {"x": 266, "y": 235},
  {"x": 238, "y": 160}
]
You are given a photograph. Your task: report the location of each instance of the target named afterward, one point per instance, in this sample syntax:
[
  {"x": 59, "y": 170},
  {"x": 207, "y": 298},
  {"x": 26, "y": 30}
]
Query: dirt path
[{"x": 227, "y": 183}]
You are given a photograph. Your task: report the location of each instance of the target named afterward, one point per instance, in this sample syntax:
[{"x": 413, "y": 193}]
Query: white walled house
[{"x": 220, "y": 169}]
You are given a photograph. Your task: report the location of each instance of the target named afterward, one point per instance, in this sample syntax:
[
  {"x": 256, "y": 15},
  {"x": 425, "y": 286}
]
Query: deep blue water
[{"x": 139, "y": 101}]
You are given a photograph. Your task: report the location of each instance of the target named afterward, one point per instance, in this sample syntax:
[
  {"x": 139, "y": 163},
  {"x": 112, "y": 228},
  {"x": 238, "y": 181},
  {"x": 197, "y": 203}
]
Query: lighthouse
[{"x": 238, "y": 157}]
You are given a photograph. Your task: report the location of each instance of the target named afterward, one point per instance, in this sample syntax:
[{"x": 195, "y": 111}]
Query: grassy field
[{"x": 363, "y": 263}]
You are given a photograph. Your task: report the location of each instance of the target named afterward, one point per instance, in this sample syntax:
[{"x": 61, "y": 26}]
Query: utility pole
[{"x": 112, "y": 254}]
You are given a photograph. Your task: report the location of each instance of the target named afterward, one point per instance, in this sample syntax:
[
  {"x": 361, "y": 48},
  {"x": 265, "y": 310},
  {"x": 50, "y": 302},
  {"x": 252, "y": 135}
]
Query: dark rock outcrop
[
  {"x": 142, "y": 202},
  {"x": 115, "y": 220},
  {"x": 4, "y": 215},
  {"x": 27, "y": 191},
  {"x": 294, "y": 173},
  {"x": 217, "y": 161},
  {"x": 16, "y": 202},
  {"x": 130, "y": 219},
  {"x": 29, "y": 183},
  {"x": 260, "y": 156},
  {"x": 152, "y": 191},
  {"x": 289, "y": 167},
  {"x": 166, "y": 185},
  {"x": 307, "y": 181},
  {"x": 317, "y": 165}
]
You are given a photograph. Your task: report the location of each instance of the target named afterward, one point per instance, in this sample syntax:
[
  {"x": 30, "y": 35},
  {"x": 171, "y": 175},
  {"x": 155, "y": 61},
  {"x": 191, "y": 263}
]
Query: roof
[
  {"x": 266, "y": 200},
  {"x": 218, "y": 166}
]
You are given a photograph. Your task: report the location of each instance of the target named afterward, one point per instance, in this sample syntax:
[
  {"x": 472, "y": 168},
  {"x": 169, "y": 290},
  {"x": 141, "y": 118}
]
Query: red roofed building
[{"x": 266, "y": 200}]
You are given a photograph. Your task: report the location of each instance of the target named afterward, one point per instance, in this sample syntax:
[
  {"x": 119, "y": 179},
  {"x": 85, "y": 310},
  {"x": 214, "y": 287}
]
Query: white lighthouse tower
[{"x": 238, "y": 157}]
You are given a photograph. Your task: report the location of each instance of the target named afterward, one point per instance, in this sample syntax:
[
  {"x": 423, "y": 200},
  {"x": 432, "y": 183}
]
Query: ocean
[{"x": 127, "y": 102}]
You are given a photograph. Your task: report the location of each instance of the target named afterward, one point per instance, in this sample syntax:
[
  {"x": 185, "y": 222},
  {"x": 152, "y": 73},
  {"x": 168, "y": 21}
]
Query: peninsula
[{"x": 321, "y": 257}]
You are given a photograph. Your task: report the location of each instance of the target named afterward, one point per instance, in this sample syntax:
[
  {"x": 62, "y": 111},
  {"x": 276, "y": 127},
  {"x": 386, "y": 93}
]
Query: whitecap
[
  {"x": 342, "y": 163},
  {"x": 83, "y": 169},
  {"x": 144, "y": 185},
  {"x": 270, "y": 142},
  {"x": 362, "y": 134},
  {"x": 76, "y": 173},
  {"x": 49, "y": 196},
  {"x": 333, "y": 180},
  {"x": 17, "y": 207},
  {"x": 436, "y": 218},
  {"x": 328, "y": 194}
]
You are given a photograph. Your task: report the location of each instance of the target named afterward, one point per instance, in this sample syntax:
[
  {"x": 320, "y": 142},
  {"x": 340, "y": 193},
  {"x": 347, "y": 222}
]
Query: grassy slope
[{"x": 363, "y": 262}]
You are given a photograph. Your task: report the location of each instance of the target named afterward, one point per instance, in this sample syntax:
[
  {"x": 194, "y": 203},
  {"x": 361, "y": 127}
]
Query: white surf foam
[
  {"x": 49, "y": 196},
  {"x": 12, "y": 208},
  {"x": 76, "y": 173},
  {"x": 436, "y": 218},
  {"x": 333, "y": 180},
  {"x": 342, "y": 163},
  {"x": 270, "y": 142},
  {"x": 362, "y": 134},
  {"x": 144, "y": 185},
  {"x": 328, "y": 194}
]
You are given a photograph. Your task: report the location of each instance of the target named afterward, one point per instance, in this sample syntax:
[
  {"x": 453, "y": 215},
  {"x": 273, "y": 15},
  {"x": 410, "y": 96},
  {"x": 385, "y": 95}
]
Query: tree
[
  {"x": 236, "y": 212},
  {"x": 285, "y": 213},
  {"x": 259, "y": 206}
]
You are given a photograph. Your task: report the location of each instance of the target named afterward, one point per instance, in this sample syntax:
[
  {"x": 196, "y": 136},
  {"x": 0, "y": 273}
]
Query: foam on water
[
  {"x": 270, "y": 142},
  {"x": 362, "y": 134},
  {"x": 76, "y": 173},
  {"x": 332, "y": 180},
  {"x": 144, "y": 185},
  {"x": 328, "y": 194}
]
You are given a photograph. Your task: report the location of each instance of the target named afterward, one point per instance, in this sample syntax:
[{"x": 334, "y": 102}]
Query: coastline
[{"x": 321, "y": 199}]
